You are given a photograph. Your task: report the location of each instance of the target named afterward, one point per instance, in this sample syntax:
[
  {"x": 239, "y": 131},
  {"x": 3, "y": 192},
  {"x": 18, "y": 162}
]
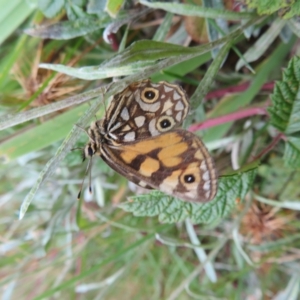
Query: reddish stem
[
  {"x": 277, "y": 138},
  {"x": 228, "y": 118},
  {"x": 236, "y": 89}
]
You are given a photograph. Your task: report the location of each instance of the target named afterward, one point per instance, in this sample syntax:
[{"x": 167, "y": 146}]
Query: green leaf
[
  {"x": 292, "y": 152},
  {"x": 197, "y": 11},
  {"x": 135, "y": 58},
  {"x": 12, "y": 14},
  {"x": 113, "y": 7},
  {"x": 293, "y": 10},
  {"x": 285, "y": 112},
  {"x": 262, "y": 44},
  {"x": 277, "y": 179},
  {"x": 287, "y": 8},
  {"x": 50, "y": 8},
  {"x": 143, "y": 56},
  {"x": 164, "y": 28},
  {"x": 35, "y": 138},
  {"x": 82, "y": 25},
  {"x": 171, "y": 210},
  {"x": 286, "y": 100},
  {"x": 69, "y": 29},
  {"x": 234, "y": 102},
  {"x": 96, "y": 6}
]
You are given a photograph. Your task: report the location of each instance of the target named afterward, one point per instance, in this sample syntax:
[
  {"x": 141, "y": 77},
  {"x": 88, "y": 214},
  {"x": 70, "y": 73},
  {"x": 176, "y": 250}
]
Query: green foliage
[
  {"x": 69, "y": 29},
  {"x": 12, "y": 14},
  {"x": 279, "y": 180},
  {"x": 136, "y": 58},
  {"x": 170, "y": 210},
  {"x": 286, "y": 8},
  {"x": 94, "y": 248},
  {"x": 51, "y": 8},
  {"x": 285, "y": 112},
  {"x": 197, "y": 10},
  {"x": 113, "y": 7}
]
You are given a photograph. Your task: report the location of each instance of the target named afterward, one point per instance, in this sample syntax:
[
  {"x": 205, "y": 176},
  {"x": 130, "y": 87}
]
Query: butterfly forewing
[{"x": 145, "y": 109}]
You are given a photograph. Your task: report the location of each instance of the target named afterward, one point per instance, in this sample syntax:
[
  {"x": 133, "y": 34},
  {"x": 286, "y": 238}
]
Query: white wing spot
[
  {"x": 179, "y": 116},
  {"x": 176, "y": 96},
  {"x": 169, "y": 112},
  {"x": 112, "y": 136},
  {"x": 151, "y": 107},
  {"x": 125, "y": 114},
  {"x": 163, "y": 96},
  {"x": 168, "y": 104},
  {"x": 126, "y": 128},
  {"x": 179, "y": 106},
  {"x": 166, "y": 187},
  {"x": 129, "y": 137},
  {"x": 152, "y": 127},
  {"x": 139, "y": 121},
  {"x": 203, "y": 166},
  {"x": 168, "y": 89},
  {"x": 116, "y": 126},
  {"x": 207, "y": 195},
  {"x": 190, "y": 195},
  {"x": 142, "y": 183},
  {"x": 206, "y": 185},
  {"x": 205, "y": 176}
]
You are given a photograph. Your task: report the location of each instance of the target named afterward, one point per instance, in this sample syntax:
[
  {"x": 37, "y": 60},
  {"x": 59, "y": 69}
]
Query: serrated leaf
[
  {"x": 292, "y": 152},
  {"x": 285, "y": 111},
  {"x": 171, "y": 210}
]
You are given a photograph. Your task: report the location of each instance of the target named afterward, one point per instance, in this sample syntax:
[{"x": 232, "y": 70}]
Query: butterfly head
[{"x": 88, "y": 151}]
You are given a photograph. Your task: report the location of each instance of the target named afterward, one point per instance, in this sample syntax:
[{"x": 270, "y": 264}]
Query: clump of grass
[{"x": 246, "y": 244}]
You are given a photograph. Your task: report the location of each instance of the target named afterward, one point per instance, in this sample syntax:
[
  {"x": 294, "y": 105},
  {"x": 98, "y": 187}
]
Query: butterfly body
[{"x": 138, "y": 139}]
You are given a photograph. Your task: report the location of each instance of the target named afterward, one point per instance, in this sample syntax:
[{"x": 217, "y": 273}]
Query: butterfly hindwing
[{"x": 175, "y": 162}]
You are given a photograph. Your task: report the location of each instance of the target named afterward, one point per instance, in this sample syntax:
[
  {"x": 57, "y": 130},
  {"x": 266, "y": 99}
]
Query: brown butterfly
[{"x": 138, "y": 139}]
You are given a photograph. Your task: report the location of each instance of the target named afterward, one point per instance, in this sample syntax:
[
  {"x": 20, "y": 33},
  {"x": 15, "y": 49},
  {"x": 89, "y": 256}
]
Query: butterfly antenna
[
  {"x": 86, "y": 131},
  {"x": 85, "y": 173},
  {"x": 90, "y": 174},
  {"x": 105, "y": 108}
]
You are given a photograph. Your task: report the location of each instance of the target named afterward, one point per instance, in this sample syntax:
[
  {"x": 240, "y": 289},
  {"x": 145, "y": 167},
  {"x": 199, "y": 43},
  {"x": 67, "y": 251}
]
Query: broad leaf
[
  {"x": 231, "y": 189},
  {"x": 285, "y": 112}
]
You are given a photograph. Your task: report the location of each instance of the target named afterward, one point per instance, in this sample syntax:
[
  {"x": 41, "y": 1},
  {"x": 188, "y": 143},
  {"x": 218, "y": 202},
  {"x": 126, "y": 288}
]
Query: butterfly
[{"x": 139, "y": 138}]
